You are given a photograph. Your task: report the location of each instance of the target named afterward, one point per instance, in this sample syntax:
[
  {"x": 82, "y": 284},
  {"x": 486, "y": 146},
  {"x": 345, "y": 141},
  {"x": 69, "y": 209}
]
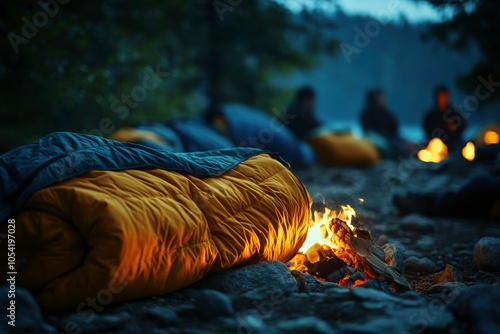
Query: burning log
[
  {"x": 322, "y": 262},
  {"x": 363, "y": 234},
  {"x": 365, "y": 256},
  {"x": 354, "y": 278},
  {"x": 334, "y": 244}
]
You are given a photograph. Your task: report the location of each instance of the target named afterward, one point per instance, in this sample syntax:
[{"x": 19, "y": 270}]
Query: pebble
[
  {"x": 426, "y": 242},
  {"x": 417, "y": 223},
  {"x": 410, "y": 252},
  {"x": 159, "y": 315},
  {"x": 486, "y": 254},
  {"x": 377, "y": 285},
  {"x": 271, "y": 274},
  {"x": 102, "y": 323},
  {"x": 213, "y": 304},
  {"x": 422, "y": 265},
  {"x": 477, "y": 306},
  {"x": 308, "y": 283},
  {"x": 305, "y": 325}
]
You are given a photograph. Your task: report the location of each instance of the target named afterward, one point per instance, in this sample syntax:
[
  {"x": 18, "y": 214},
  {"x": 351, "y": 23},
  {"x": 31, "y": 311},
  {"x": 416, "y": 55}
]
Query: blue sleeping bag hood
[{"x": 249, "y": 127}]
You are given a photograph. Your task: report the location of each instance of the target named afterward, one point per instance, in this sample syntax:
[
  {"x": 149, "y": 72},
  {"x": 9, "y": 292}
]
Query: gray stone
[
  {"x": 478, "y": 307},
  {"x": 305, "y": 325},
  {"x": 385, "y": 313},
  {"x": 394, "y": 256},
  {"x": 162, "y": 316},
  {"x": 272, "y": 274},
  {"x": 101, "y": 323},
  {"x": 410, "y": 295},
  {"x": 260, "y": 300},
  {"x": 486, "y": 254},
  {"x": 426, "y": 242},
  {"x": 213, "y": 304},
  {"x": 369, "y": 294},
  {"x": 439, "y": 322},
  {"x": 377, "y": 285},
  {"x": 246, "y": 323},
  {"x": 417, "y": 223},
  {"x": 449, "y": 274},
  {"x": 360, "y": 310},
  {"x": 308, "y": 283},
  {"x": 423, "y": 265},
  {"x": 185, "y": 311},
  {"x": 410, "y": 252}
]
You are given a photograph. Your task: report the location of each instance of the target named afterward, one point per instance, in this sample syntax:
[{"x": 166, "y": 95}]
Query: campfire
[
  {"x": 469, "y": 151},
  {"x": 336, "y": 251},
  {"x": 491, "y": 137},
  {"x": 436, "y": 151}
]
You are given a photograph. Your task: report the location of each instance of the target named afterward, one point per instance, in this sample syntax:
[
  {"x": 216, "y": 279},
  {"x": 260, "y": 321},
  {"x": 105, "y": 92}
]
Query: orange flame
[
  {"x": 469, "y": 151},
  {"x": 491, "y": 137},
  {"x": 319, "y": 232},
  {"x": 436, "y": 151}
]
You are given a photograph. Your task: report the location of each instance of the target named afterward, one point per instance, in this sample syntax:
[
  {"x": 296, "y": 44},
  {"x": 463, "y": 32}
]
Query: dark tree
[
  {"x": 473, "y": 22},
  {"x": 75, "y": 70}
]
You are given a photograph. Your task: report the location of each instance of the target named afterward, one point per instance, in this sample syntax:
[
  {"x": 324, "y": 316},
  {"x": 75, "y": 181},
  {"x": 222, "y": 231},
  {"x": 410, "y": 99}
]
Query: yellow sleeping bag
[
  {"x": 343, "y": 149},
  {"x": 133, "y": 135},
  {"x": 122, "y": 235}
]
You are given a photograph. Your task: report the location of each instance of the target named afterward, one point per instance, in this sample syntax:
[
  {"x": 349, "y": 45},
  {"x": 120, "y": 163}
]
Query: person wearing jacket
[
  {"x": 444, "y": 121},
  {"x": 376, "y": 117},
  {"x": 302, "y": 120},
  {"x": 381, "y": 127}
]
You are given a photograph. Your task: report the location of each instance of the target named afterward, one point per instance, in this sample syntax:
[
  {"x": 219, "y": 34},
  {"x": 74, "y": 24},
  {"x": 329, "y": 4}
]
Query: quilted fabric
[{"x": 134, "y": 233}]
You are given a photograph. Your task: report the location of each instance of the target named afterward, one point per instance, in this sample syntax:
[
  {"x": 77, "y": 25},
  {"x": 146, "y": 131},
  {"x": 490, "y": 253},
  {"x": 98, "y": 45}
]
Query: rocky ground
[{"x": 440, "y": 255}]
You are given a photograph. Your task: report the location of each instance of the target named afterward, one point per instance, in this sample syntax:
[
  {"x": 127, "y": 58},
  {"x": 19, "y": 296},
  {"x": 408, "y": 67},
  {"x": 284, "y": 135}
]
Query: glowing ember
[
  {"x": 491, "y": 137},
  {"x": 436, "y": 151},
  {"x": 320, "y": 232},
  {"x": 469, "y": 151}
]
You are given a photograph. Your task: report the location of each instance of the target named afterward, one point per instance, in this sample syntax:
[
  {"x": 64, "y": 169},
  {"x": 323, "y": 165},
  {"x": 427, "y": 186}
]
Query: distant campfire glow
[
  {"x": 436, "y": 151},
  {"x": 469, "y": 151},
  {"x": 491, "y": 137}
]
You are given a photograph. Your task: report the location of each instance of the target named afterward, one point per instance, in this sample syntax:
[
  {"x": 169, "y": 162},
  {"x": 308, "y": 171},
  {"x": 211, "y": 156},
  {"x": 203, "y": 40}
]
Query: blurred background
[{"x": 75, "y": 66}]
